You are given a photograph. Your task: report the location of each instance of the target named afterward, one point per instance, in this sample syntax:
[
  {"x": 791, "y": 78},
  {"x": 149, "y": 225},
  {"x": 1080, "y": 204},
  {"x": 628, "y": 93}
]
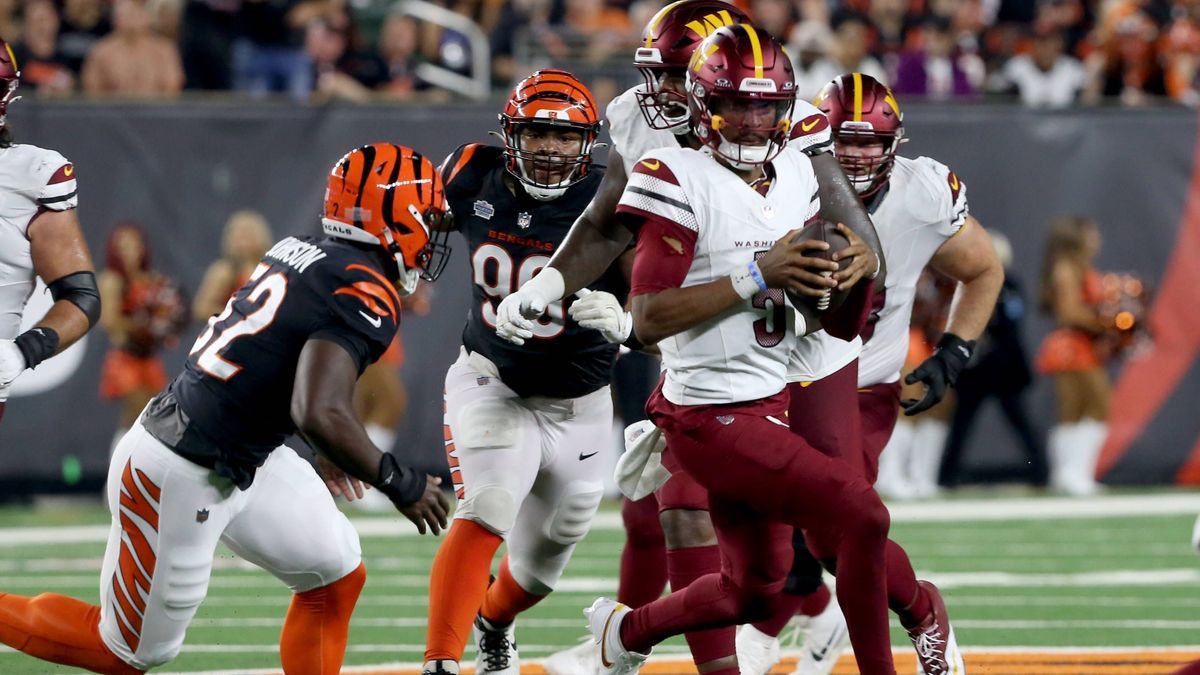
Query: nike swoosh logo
[
  {"x": 806, "y": 126},
  {"x": 652, "y": 165},
  {"x": 373, "y": 320},
  {"x": 68, "y": 170},
  {"x": 820, "y": 654},
  {"x": 591, "y": 454}
]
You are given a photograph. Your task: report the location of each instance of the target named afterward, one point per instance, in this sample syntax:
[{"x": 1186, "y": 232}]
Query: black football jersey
[
  {"x": 510, "y": 237},
  {"x": 230, "y": 407}
]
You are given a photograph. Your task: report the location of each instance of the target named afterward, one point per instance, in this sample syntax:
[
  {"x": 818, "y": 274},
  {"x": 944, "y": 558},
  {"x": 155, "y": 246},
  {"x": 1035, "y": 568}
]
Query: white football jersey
[
  {"x": 925, "y": 205},
  {"x": 32, "y": 180},
  {"x": 742, "y": 354},
  {"x": 631, "y": 136}
]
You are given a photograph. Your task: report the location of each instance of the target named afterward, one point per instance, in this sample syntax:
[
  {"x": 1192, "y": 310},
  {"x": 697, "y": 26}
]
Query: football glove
[
  {"x": 515, "y": 314},
  {"x": 599, "y": 310},
  {"x": 939, "y": 372}
]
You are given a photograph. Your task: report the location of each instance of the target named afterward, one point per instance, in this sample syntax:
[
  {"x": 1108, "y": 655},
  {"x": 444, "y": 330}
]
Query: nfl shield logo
[
  {"x": 201, "y": 515},
  {"x": 524, "y": 219}
]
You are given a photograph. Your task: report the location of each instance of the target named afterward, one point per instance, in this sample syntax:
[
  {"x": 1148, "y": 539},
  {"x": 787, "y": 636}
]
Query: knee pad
[
  {"x": 488, "y": 423},
  {"x": 574, "y": 513},
  {"x": 492, "y": 506}
]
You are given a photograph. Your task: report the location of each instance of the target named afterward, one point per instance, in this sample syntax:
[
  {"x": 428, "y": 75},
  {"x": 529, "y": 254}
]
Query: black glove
[
  {"x": 939, "y": 372},
  {"x": 403, "y": 485}
]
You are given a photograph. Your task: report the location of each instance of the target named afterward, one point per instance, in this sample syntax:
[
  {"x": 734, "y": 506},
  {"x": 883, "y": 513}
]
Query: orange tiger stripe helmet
[
  {"x": 553, "y": 98},
  {"x": 389, "y": 195}
]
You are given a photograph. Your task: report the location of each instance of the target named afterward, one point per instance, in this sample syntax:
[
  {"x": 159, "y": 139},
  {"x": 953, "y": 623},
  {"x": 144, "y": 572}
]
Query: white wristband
[
  {"x": 548, "y": 284},
  {"x": 747, "y": 281}
]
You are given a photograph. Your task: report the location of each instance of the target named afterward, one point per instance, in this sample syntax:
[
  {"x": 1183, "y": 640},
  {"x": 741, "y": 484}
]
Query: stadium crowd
[{"x": 1045, "y": 53}]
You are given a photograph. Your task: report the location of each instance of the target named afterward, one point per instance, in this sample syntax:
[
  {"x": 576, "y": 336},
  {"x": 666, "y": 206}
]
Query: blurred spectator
[
  {"x": 773, "y": 16},
  {"x": 1126, "y": 62},
  {"x": 270, "y": 56},
  {"x": 809, "y": 46},
  {"x": 890, "y": 19},
  {"x": 43, "y": 67},
  {"x": 848, "y": 53},
  {"x": 519, "y": 19},
  {"x": 999, "y": 369},
  {"x": 133, "y": 61},
  {"x": 1045, "y": 77},
  {"x": 244, "y": 241},
  {"x": 84, "y": 22},
  {"x": 935, "y": 70},
  {"x": 1071, "y": 292},
  {"x": 600, "y": 30},
  {"x": 1181, "y": 53},
  {"x": 340, "y": 71},
  {"x": 209, "y": 28},
  {"x": 143, "y": 312},
  {"x": 10, "y": 21},
  {"x": 398, "y": 49},
  {"x": 1072, "y": 18}
]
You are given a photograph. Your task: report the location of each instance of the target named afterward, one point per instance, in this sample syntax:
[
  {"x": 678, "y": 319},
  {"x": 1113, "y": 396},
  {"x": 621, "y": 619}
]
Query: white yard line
[{"x": 951, "y": 510}]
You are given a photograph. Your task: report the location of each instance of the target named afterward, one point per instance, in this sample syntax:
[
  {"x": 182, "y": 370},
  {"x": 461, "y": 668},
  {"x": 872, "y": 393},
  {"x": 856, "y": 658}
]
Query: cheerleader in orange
[
  {"x": 142, "y": 312},
  {"x": 244, "y": 241},
  {"x": 1071, "y": 292}
]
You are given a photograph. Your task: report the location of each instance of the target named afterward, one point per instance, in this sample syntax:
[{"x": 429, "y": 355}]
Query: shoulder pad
[
  {"x": 463, "y": 168},
  {"x": 938, "y": 194},
  {"x": 811, "y": 132}
]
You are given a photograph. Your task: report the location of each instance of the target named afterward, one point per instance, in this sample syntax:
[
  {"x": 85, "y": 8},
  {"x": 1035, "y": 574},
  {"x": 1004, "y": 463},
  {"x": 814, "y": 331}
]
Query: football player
[
  {"x": 920, "y": 211},
  {"x": 39, "y": 237},
  {"x": 646, "y": 117},
  {"x": 206, "y": 464},
  {"x": 528, "y": 426},
  {"x": 714, "y": 251}
]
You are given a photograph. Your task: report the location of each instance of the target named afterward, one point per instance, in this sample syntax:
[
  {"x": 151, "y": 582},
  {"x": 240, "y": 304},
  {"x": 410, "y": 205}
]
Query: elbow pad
[{"x": 80, "y": 290}]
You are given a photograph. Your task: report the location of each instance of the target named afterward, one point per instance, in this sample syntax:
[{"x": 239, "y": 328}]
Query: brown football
[{"x": 822, "y": 230}]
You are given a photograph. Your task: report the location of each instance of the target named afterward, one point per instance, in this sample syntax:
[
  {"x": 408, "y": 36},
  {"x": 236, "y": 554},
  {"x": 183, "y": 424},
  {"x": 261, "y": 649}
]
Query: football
[{"x": 822, "y": 230}]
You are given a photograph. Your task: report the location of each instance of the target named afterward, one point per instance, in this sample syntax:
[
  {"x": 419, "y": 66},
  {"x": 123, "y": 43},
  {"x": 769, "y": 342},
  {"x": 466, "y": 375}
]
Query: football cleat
[
  {"x": 440, "y": 667},
  {"x": 933, "y": 638},
  {"x": 496, "y": 648},
  {"x": 827, "y": 637},
  {"x": 604, "y": 621},
  {"x": 582, "y": 659},
  {"x": 757, "y": 652}
]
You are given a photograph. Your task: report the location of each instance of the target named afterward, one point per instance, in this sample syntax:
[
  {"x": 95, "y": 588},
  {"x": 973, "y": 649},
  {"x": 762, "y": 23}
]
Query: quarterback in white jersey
[
  {"x": 714, "y": 246},
  {"x": 39, "y": 237}
]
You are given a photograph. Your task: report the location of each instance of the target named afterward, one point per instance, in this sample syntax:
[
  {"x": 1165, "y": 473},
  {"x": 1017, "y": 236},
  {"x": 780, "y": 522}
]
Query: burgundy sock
[
  {"x": 685, "y": 565},
  {"x": 904, "y": 596},
  {"x": 644, "y": 558}
]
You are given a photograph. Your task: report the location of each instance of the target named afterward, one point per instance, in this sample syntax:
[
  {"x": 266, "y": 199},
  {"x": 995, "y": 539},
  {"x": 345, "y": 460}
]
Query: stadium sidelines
[{"x": 949, "y": 510}]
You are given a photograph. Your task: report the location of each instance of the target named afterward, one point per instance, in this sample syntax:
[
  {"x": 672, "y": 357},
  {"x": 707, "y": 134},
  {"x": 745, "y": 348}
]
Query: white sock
[
  {"x": 892, "y": 481},
  {"x": 1094, "y": 433},
  {"x": 1077, "y": 466},
  {"x": 929, "y": 441},
  {"x": 383, "y": 437},
  {"x": 1055, "y": 455}
]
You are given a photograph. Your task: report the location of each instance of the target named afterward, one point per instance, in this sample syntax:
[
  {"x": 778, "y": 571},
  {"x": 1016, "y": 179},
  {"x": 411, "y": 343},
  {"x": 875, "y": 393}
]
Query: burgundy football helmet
[
  {"x": 741, "y": 92},
  {"x": 860, "y": 107},
  {"x": 10, "y": 77},
  {"x": 667, "y": 44}
]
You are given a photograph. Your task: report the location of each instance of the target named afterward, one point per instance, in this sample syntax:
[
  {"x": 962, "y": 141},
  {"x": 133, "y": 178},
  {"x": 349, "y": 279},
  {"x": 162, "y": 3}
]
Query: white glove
[
  {"x": 515, "y": 314},
  {"x": 639, "y": 471},
  {"x": 599, "y": 310},
  {"x": 12, "y": 362}
]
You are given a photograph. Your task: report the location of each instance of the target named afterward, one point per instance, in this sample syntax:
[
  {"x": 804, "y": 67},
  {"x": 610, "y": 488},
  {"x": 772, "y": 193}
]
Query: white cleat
[
  {"x": 826, "y": 639},
  {"x": 604, "y": 621},
  {"x": 496, "y": 648},
  {"x": 582, "y": 659},
  {"x": 757, "y": 652}
]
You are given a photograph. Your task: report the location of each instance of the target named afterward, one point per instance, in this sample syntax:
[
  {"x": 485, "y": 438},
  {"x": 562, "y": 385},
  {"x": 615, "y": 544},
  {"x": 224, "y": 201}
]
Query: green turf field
[{"x": 1016, "y": 572}]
